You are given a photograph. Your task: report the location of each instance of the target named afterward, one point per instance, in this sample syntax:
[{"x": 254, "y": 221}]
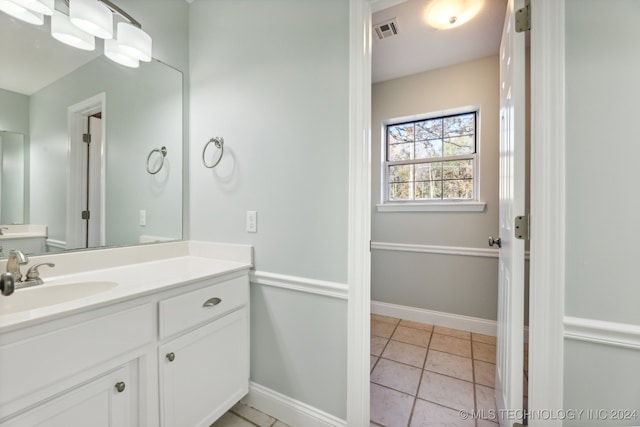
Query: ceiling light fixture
[
  {"x": 88, "y": 19},
  {"x": 446, "y": 14}
]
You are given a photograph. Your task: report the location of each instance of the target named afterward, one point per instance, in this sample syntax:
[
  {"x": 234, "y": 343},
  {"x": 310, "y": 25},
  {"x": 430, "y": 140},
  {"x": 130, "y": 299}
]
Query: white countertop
[{"x": 194, "y": 261}]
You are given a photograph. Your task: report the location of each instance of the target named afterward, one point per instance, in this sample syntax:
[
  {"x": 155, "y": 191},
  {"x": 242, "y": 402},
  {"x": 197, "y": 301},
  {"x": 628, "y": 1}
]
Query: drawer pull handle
[
  {"x": 120, "y": 386},
  {"x": 212, "y": 302},
  {"x": 171, "y": 357}
]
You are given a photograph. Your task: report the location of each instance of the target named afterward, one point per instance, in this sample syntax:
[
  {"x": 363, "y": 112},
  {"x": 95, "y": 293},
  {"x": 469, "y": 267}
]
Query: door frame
[
  {"x": 76, "y": 124},
  {"x": 548, "y": 189},
  {"x": 546, "y": 306}
]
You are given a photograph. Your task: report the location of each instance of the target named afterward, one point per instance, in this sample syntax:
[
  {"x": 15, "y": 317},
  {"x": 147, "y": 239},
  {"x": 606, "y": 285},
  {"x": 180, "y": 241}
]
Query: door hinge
[
  {"x": 86, "y": 137},
  {"x": 521, "y": 227},
  {"x": 86, "y": 215},
  {"x": 523, "y": 19}
]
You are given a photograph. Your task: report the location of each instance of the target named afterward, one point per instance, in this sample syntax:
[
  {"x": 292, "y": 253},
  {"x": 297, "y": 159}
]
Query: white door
[{"x": 509, "y": 358}]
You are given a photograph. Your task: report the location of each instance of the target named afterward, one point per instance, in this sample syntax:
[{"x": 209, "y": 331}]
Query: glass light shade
[
  {"x": 21, "y": 13},
  {"x": 113, "y": 51},
  {"x": 134, "y": 42},
  {"x": 63, "y": 30},
  {"x": 92, "y": 16},
  {"x": 446, "y": 14},
  {"x": 46, "y": 7}
]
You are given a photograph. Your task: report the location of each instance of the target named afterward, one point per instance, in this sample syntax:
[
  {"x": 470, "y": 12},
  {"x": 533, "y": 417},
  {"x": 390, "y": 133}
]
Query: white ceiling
[
  {"x": 418, "y": 47},
  {"x": 31, "y": 59}
]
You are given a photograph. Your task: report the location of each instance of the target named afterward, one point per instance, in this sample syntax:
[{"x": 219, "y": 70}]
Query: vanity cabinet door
[
  {"x": 205, "y": 372},
  {"x": 107, "y": 401}
]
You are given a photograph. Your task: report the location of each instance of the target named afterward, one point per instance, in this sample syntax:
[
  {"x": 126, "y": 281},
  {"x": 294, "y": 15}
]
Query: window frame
[{"x": 474, "y": 204}]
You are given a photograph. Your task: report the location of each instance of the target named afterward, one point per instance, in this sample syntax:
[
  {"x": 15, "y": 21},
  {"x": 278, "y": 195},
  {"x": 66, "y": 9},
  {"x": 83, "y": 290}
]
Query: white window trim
[{"x": 473, "y": 205}]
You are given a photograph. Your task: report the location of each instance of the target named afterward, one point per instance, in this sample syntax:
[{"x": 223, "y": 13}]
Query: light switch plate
[{"x": 252, "y": 221}]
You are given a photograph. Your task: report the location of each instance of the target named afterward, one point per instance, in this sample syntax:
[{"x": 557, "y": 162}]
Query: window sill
[{"x": 433, "y": 207}]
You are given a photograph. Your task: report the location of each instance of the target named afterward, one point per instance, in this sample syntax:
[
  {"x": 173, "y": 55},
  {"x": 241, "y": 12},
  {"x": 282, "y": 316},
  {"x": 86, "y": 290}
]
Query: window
[{"x": 432, "y": 159}]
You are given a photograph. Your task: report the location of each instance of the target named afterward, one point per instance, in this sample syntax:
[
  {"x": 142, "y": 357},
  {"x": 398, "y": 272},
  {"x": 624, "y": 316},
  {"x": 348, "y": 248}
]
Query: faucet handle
[
  {"x": 34, "y": 274},
  {"x": 7, "y": 283}
]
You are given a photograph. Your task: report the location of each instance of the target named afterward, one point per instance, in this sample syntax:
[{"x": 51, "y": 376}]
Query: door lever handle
[{"x": 493, "y": 241}]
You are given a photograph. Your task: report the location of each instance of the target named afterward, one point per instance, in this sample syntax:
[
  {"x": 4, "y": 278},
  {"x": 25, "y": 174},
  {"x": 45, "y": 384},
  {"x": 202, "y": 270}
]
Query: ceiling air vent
[{"x": 387, "y": 29}]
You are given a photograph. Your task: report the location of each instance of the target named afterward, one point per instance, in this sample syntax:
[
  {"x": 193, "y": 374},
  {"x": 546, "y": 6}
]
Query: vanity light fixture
[
  {"x": 114, "y": 52},
  {"x": 88, "y": 19},
  {"x": 92, "y": 16},
  {"x": 446, "y": 14},
  {"x": 44, "y": 7},
  {"x": 63, "y": 30},
  {"x": 22, "y": 13}
]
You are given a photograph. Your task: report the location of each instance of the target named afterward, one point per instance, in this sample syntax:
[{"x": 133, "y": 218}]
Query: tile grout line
[{"x": 424, "y": 364}]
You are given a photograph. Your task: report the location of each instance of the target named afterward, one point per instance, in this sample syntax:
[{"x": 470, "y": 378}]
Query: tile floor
[
  {"x": 242, "y": 415},
  {"x": 423, "y": 375}
]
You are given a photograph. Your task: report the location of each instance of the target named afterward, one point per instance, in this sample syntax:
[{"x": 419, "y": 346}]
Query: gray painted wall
[
  {"x": 448, "y": 283},
  {"x": 602, "y": 85},
  {"x": 272, "y": 79}
]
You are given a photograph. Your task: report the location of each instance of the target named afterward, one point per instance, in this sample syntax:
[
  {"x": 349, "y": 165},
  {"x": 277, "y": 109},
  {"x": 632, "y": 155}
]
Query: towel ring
[
  {"x": 162, "y": 151},
  {"x": 218, "y": 141}
]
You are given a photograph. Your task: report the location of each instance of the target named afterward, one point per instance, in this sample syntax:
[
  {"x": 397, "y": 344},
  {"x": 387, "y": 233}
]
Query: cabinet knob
[
  {"x": 170, "y": 357},
  {"x": 120, "y": 386}
]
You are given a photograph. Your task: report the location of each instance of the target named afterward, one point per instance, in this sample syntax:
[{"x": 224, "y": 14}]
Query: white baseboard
[
  {"x": 288, "y": 410},
  {"x": 438, "y": 318}
]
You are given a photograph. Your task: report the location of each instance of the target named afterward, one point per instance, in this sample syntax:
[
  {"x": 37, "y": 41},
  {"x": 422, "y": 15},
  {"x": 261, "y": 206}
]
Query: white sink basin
[{"x": 44, "y": 295}]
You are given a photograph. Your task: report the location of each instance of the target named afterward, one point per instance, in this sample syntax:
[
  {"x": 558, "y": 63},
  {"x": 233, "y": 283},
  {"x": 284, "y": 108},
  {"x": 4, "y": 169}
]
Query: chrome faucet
[
  {"x": 16, "y": 259},
  {"x": 33, "y": 276}
]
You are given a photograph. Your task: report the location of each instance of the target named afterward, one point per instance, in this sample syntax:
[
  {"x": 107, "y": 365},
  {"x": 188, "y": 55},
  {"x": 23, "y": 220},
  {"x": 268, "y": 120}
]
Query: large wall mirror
[{"x": 58, "y": 192}]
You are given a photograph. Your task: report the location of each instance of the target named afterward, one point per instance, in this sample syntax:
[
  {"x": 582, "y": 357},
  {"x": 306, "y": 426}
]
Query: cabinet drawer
[
  {"x": 50, "y": 359},
  {"x": 184, "y": 311}
]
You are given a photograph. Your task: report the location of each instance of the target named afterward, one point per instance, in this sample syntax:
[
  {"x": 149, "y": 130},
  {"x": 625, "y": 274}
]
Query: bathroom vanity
[{"x": 156, "y": 335}]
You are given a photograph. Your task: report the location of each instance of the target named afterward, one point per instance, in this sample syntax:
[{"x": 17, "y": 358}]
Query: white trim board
[
  {"x": 548, "y": 211},
  {"x": 439, "y": 250},
  {"x": 601, "y": 332},
  {"x": 288, "y": 410},
  {"x": 438, "y": 318},
  {"x": 56, "y": 243},
  {"x": 431, "y": 249},
  {"x": 300, "y": 284}
]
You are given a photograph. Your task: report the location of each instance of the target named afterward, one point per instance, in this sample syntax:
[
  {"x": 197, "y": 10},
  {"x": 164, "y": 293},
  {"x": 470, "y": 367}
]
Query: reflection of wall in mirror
[
  {"x": 14, "y": 131},
  {"x": 12, "y": 178},
  {"x": 143, "y": 110}
]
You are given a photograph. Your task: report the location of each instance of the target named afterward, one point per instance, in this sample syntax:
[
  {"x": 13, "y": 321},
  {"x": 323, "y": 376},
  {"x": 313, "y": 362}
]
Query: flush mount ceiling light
[
  {"x": 88, "y": 19},
  {"x": 22, "y": 13},
  {"x": 446, "y": 14}
]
